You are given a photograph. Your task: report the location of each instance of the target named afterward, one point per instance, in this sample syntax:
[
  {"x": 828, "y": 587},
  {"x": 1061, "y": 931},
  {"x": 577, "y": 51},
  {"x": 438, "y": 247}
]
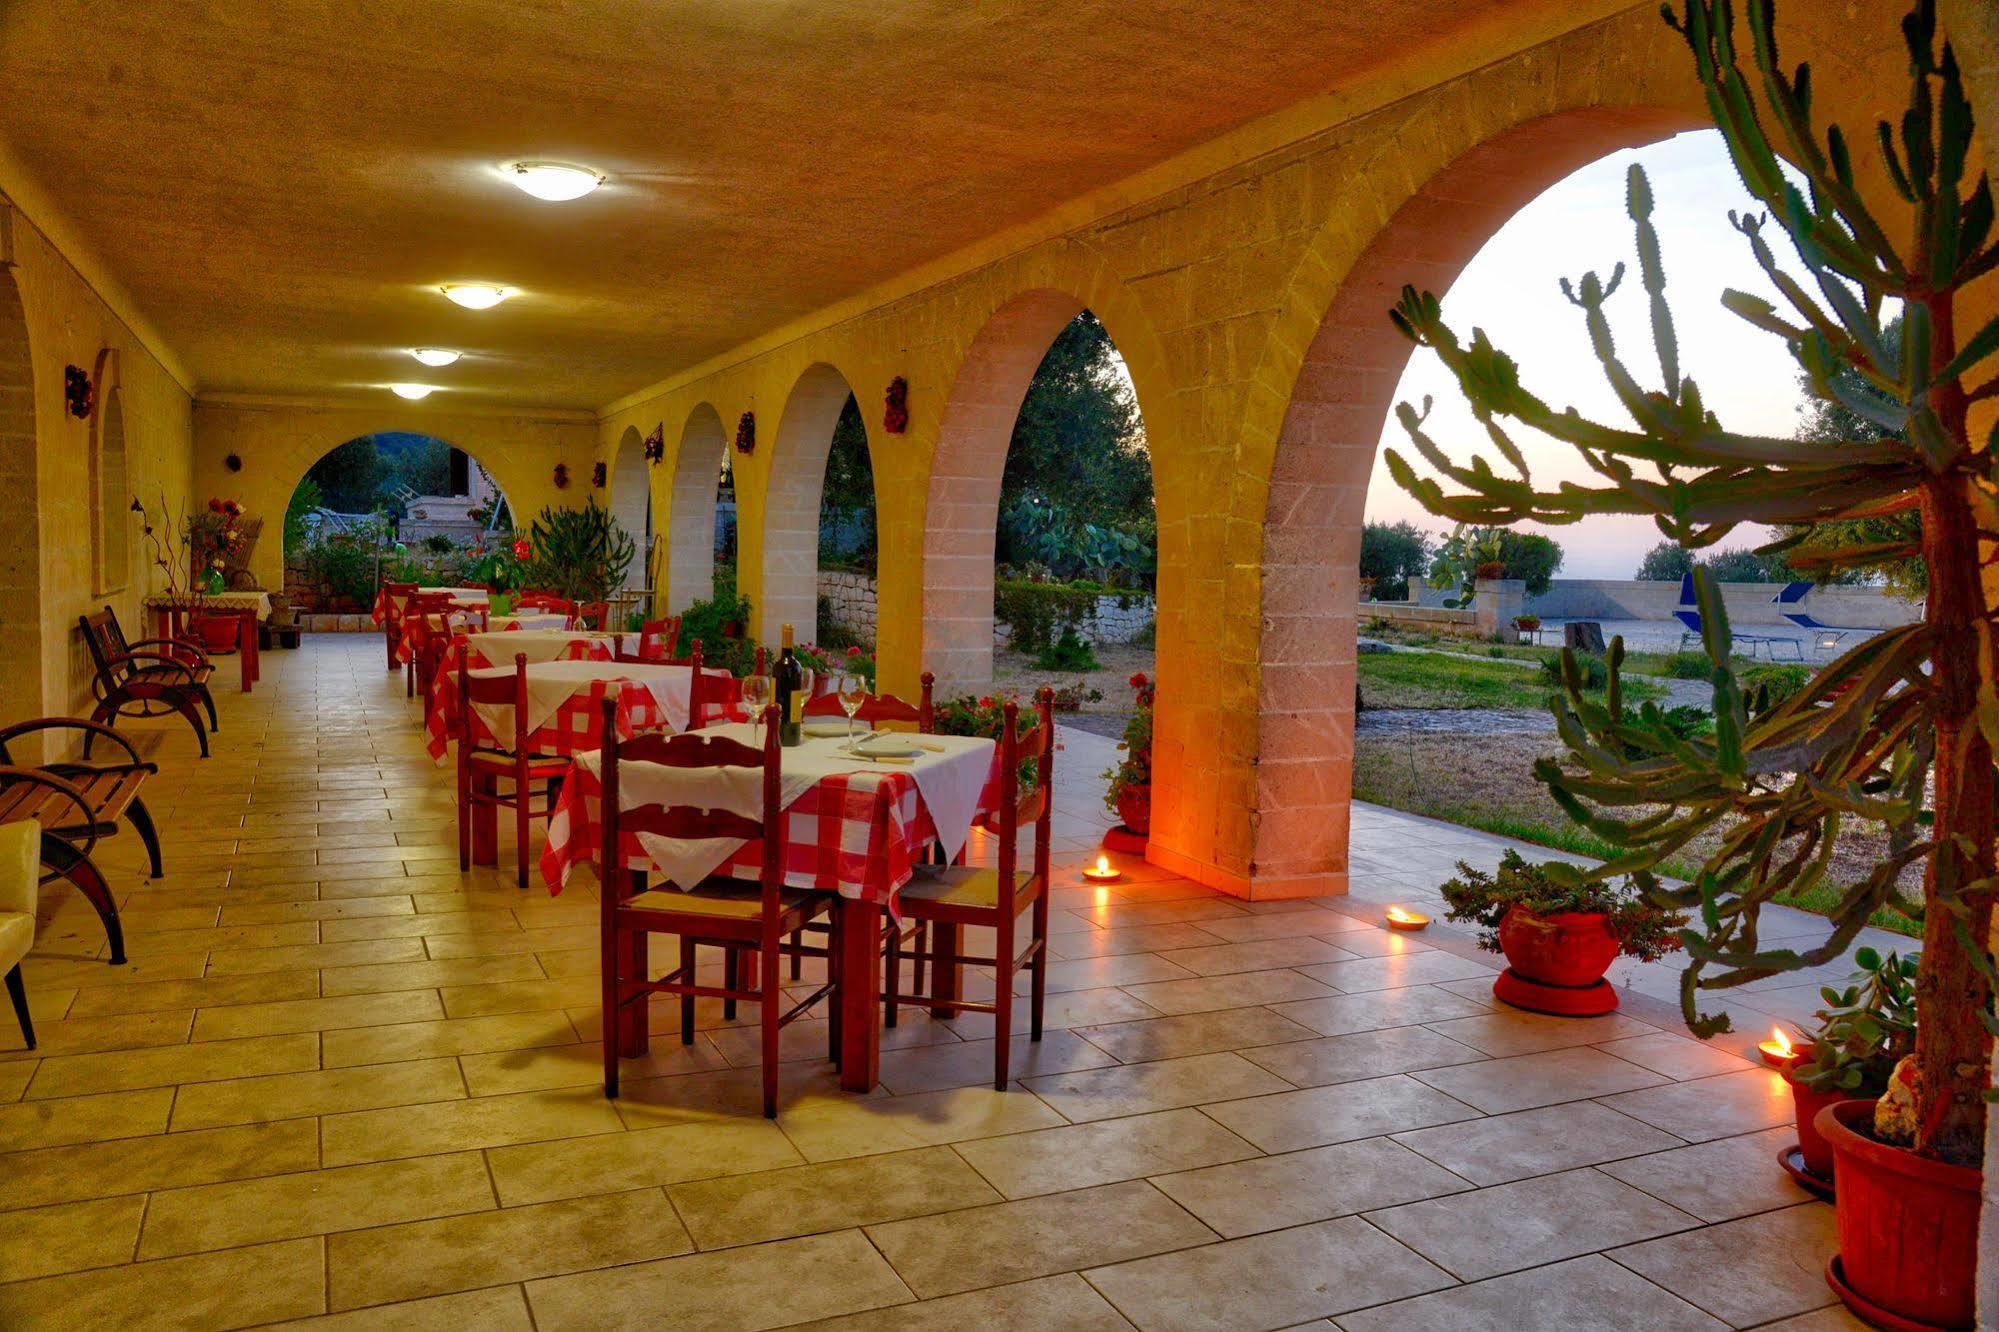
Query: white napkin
[{"x": 681, "y": 861}]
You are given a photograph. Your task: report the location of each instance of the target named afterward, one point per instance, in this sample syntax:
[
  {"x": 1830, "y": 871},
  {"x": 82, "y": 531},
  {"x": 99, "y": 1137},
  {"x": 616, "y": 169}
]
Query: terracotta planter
[
  {"x": 1908, "y": 1228},
  {"x": 1134, "y": 806},
  {"x": 1569, "y": 948},
  {"x": 1807, "y": 1103},
  {"x": 219, "y": 633}
]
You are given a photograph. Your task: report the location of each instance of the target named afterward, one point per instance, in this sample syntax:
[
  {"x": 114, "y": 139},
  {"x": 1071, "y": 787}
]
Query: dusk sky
[{"x": 1510, "y": 289}]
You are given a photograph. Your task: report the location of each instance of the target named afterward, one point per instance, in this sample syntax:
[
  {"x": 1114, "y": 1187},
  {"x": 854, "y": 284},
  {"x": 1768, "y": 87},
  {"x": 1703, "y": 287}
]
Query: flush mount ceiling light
[
  {"x": 474, "y": 295},
  {"x": 434, "y": 355},
  {"x": 555, "y": 182},
  {"x": 412, "y": 391}
]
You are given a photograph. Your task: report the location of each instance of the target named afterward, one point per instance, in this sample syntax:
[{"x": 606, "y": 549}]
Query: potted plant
[
  {"x": 1526, "y": 624},
  {"x": 1129, "y": 795},
  {"x": 1559, "y": 936},
  {"x": 1865, "y": 1029}
]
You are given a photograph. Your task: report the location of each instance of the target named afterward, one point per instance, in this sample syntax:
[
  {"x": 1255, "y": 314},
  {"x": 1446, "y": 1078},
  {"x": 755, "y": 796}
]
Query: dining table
[
  {"x": 853, "y": 826},
  {"x": 523, "y": 620},
  {"x": 465, "y": 598},
  {"x": 563, "y": 703}
]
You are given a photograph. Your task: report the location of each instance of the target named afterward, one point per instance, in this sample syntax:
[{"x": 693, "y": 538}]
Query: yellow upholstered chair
[{"x": 20, "y": 877}]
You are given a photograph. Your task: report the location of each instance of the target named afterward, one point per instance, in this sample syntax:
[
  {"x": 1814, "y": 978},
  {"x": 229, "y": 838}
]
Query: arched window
[{"x": 111, "y": 485}]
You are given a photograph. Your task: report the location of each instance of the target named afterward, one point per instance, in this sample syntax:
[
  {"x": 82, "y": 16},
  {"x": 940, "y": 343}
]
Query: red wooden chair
[
  {"x": 481, "y": 768},
  {"x": 741, "y": 917},
  {"x": 658, "y": 638},
  {"x": 393, "y": 597},
  {"x": 593, "y": 615},
  {"x": 968, "y": 895},
  {"x": 134, "y": 679},
  {"x": 415, "y": 628}
]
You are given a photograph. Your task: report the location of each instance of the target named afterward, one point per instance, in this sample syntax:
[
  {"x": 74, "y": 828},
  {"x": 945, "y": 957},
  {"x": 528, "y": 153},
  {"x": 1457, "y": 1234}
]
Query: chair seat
[
  {"x": 172, "y": 675},
  {"x": 537, "y": 763},
  {"x": 964, "y": 886},
  {"x": 720, "y": 899}
]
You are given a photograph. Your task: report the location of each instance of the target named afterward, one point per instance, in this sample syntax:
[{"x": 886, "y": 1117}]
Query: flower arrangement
[
  {"x": 78, "y": 393},
  {"x": 825, "y": 662},
  {"x": 895, "y": 415},
  {"x": 213, "y": 537},
  {"x": 562, "y": 476},
  {"x": 599, "y": 474},
  {"x": 655, "y": 444},
  {"x": 1133, "y": 773},
  {"x": 746, "y": 432}
]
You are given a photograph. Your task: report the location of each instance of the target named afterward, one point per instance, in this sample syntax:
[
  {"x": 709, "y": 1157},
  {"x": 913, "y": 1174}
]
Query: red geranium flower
[
  {"x": 987, "y": 702},
  {"x": 1137, "y": 681},
  {"x": 853, "y": 652},
  {"x": 521, "y": 549}
]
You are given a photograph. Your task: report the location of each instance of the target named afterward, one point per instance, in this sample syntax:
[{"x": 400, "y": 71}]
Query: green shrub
[
  {"x": 1767, "y": 686},
  {"x": 1036, "y": 614},
  {"x": 1690, "y": 664},
  {"x": 578, "y": 554},
  {"x": 1595, "y": 675},
  {"x": 1067, "y": 653},
  {"x": 438, "y": 544},
  {"x": 704, "y": 619},
  {"x": 345, "y": 567}
]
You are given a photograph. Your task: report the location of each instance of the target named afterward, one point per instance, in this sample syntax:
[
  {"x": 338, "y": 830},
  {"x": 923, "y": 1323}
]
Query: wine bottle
[{"x": 790, "y": 700}]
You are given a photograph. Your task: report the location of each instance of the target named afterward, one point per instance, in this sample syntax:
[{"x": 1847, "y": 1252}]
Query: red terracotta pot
[
  {"x": 1908, "y": 1227},
  {"x": 1134, "y": 806},
  {"x": 219, "y": 633},
  {"x": 1807, "y": 1103},
  {"x": 1569, "y": 948}
]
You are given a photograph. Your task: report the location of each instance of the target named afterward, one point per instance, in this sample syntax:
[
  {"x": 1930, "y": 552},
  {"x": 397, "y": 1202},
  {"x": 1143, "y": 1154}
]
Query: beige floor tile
[
  {"x": 348, "y": 908},
  {"x": 1511, "y": 1031},
  {"x": 1065, "y": 1302},
  {"x": 1373, "y": 1010},
  {"x": 84, "y": 1118},
  {"x": 510, "y": 1244},
  {"x": 1129, "y": 1089},
  {"x": 1395, "y": 971},
  {"x": 1360, "y": 1055},
  {"x": 237, "y": 937},
  {"x": 1837, "y": 1318},
  {"x": 1062, "y": 1232},
  {"x": 87, "y": 1035},
  {"x": 613, "y": 1162},
  {"x": 448, "y": 1126},
  {"x": 742, "y": 1044},
  {"x": 1525, "y": 1081},
  {"x": 489, "y": 924},
  {"x": 1536, "y": 1142},
  {"x": 1275, "y": 1280},
  {"x": 1749, "y": 1271},
  {"x": 837, "y": 1195},
  {"x": 936, "y": 1066},
  {"x": 427, "y": 975},
  {"x": 1733, "y": 1103},
  {"x": 368, "y": 1010},
  {"x": 152, "y": 996},
  {"x": 62, "y": 973},
  {"x": 1317, "y": 1184},
  {"x": 317, "y": 1092},
  {"x": 760, "y": 1286},
  {"x": 449, "y": 1036},
  {"x": 77, "y": 1075},
  {"x": 308, "y": 957},
  {"x": 832, "y": 1127},
  {"x": 1105, "y": 969},
  {"x": 1676, "y": 1057},
  {"x": 580, "y": 1065},
  {"x": 496, "y": 1309},
  {"x": 1072, "y": 1008},
  {"x": 1280, "y": 925},
  {"x": 1265, "y": 954},
  {"x": 1137, "y": 939},
  {"x": 14, "y": 1078},
  {"x": 1193, "y": 1033},
  {"x": 1525, "y": 1224},
  {"x": 1290, "y": 1120},
  {"x": 1589, "y": 1292},
  {"x": 1244, "y": 989},
  {"x": 1718, "y": 1180},
  {"x": 234, "y": 1288},
  {"x": 313, "y": 1202},
  {"x": 45, "y": 1241},
  {"x": 543, "y": 996},
  {"x": 1025, "y": 1165}
]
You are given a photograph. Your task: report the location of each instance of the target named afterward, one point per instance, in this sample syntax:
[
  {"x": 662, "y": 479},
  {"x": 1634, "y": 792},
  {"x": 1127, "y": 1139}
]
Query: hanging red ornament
[
  {"x": 598, "y": 475},
  {"x": 655, "y": 443},
  {"x": 79, "y": 394},
  {"x": 746, "y": 433},
  {"x": 562, "y": 476},
  {"x": 895, "y": 416}
]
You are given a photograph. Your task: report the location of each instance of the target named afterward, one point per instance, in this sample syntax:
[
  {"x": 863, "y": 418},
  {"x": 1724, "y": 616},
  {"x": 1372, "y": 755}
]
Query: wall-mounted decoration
[
  {"x": 562, "y": 476},
  {"x": 78, "y": 392},
  {"x": 746, "y": 433},
  {"x": 895, "y": 416},
  {"x": 599, "y": 474},
  {"x": 234, "y": 462},
  {"x": 655, "y": 443}
]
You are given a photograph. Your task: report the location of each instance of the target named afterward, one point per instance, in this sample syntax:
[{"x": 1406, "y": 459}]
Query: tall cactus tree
[{"x": 1901, "y": 730}]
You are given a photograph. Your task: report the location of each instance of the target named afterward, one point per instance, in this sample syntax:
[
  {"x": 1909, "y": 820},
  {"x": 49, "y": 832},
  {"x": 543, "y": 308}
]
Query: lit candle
[
  {"x": 1103, "y": 871},
  {"x": 1778, "y": 1052},
  {"x": 1399, "y": 919}
]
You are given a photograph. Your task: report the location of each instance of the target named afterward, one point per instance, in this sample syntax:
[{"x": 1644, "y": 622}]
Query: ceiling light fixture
[
  {"x": 413, "y": 392},
  {"x": 434, "y": 355},
  {"x": 553, "y": 181},
  {"x": 474, "y": 295}
]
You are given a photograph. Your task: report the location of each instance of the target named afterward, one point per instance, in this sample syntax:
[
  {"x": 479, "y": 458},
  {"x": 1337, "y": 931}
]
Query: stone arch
[
  {"x": 20, "y": 558},
  {"x": 792, "y": 487},
  {"x": 110, "y": 482},
  {"x": 962, "y": 515},
  {"x": 631, "y": 501},
  {"x": 697, "y": 468},
  {"x": 1324, "y": 455}
]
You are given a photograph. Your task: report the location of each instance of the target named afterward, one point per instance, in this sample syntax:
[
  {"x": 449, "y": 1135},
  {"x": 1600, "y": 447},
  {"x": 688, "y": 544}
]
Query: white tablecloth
[
  {"x": 537, "y": 645},
  {"x": 473, "y": 596},
  {"x": 526, "y": 621},
  {"x": 552, "y": 683},
  {"x": 260, "y": 600}
]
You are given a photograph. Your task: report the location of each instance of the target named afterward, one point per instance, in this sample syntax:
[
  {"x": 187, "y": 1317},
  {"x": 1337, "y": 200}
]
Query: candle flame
[
  {"x": 1103, "y": 864},
  {"x": 1398, "y": 915},
  {"x": 1780, "y": 1042}
]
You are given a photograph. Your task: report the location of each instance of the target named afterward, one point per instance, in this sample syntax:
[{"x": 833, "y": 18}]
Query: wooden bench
[
  {"x": 77, "y": 804},
  {"x": 138, "y": 679}
]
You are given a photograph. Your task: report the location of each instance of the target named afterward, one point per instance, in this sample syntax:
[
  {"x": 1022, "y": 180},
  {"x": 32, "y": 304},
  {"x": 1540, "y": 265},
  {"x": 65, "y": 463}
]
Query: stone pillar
[{"x": 1495, "y": 603}]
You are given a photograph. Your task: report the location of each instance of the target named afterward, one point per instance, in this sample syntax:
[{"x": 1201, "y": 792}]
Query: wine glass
[
  {"x": 853, "y": 693},
  {"x": 756, "y": 693}
]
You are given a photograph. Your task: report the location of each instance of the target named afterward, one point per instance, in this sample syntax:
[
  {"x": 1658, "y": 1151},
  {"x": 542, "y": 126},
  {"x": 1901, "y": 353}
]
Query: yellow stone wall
[{"x": 278, "y": 441}]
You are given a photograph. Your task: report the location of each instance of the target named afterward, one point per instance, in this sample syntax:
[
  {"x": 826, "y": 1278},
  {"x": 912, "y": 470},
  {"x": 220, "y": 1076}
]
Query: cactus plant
[
  {"x": 1899, "y": 731},
  {"x": 580, "y": 554}
]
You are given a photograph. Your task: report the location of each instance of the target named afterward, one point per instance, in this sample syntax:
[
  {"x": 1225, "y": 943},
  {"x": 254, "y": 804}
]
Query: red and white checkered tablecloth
[
  {"x": 580, "y": 648},
  {"x": 571, "y": 729},
  {"x": 418, "y": 629},
  {"x": 859, "y": 834}
]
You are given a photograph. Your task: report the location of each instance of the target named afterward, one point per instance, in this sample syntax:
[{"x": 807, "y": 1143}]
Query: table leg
[
  {"x": 948, "y": 940},
  {"x": 246, "y": 647},
  {"x": 860, "y": 923}
]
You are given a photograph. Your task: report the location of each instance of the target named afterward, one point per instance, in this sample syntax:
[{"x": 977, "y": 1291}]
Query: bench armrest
[{"x": 14, "y": 732}]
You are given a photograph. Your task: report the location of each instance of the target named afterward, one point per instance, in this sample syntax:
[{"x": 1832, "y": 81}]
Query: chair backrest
[
  {"x": 688, "y": 822},
  {"x": 878, "y": 708},
  {"x": 658, "y": 638},
  {"x": 394, "y": 596},
  {"x": 1793, "y": 594},
  {"x": 593, "y": 614},
  {"x": 103, "y": 636},
  {"x": 1688, "y": 601},
  {"x": 543, "y": 601},
  {"x": 1036, "y": 808},
  {"x": 511, "y": 690}
]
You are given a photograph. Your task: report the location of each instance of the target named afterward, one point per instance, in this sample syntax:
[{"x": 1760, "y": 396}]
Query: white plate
[
  {"x": 826, "y": 729},
  {"x": 887, "y": 749}
]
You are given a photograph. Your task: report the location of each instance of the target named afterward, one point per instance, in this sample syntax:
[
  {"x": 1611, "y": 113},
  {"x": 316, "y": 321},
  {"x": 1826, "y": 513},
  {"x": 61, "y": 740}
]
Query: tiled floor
[{"x": 340, "y": 1082}]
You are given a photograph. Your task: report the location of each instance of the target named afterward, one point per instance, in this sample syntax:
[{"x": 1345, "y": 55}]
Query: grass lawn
[
  {"x": 1434, "y": 680},
  {"x": 1640, "y": 663}
]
